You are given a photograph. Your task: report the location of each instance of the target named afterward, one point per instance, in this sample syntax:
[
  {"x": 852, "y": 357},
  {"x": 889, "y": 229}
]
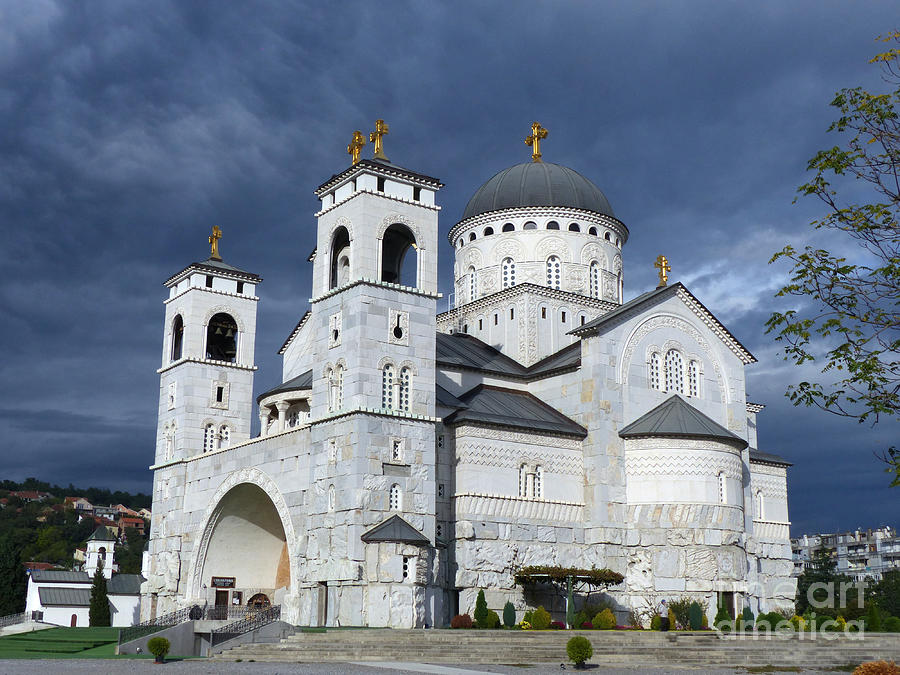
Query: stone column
[
  {"x": 263, "y": 420},
  {"x": 282, "y": 413}
]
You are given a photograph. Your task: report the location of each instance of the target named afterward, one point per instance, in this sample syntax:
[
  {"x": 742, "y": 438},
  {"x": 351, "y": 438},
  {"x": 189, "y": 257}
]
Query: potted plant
[{"x": 159, "y": 647}]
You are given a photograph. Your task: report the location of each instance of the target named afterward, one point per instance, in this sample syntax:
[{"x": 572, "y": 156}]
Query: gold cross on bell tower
[
  {"x": 662, "y": 264},
  {"x": 381, "y": 130},
  {"x": 356, "y": 144},
  {"x": 538, "y": 133},
  {"x": 214, "y": 243}
]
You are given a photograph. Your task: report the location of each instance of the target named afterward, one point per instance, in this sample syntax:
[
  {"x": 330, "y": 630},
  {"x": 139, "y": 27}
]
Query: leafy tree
[
  {"x": 13, "y": 580},
  {"x": 99, "y": 609},
  {"x": 822, "y": 569},
  {"x": 853, "y": 328},
  {"x": 886, "y": 593},
  {"x": 130, "y": 556}
]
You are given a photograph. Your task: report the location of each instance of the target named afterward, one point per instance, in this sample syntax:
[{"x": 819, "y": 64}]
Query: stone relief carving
[
  {"x": 576, "y": 278},
  {"x": 553, "y": 246},
  {"x": 489, "y": 282},
  {"x": 639, "y": 571},
  {"x": 507, "y": 456},
  {"x": 472, "y": 258},
  {"x": 700, "y": 563},
  {"x": 508, "y": 249},
  {"x": 610, "y": 286},
  {"x": 227, "y": 309},
  {"x": 682, "y": 464}
]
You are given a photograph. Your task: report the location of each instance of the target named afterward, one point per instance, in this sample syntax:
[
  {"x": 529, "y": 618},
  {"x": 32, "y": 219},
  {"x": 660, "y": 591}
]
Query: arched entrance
[{"x": 247, "y": 549}]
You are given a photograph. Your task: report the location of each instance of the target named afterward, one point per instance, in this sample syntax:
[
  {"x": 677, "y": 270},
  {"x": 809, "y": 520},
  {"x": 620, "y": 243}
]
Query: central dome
[{"x": 537, "y": 184}]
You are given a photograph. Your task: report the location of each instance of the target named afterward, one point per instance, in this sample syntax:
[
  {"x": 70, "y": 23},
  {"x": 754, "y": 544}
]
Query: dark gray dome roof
[{"x": 537, "y": 184}]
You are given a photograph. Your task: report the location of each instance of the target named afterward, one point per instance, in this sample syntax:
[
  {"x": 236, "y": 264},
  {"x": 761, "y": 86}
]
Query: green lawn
[{"x": 60, "y": 643}]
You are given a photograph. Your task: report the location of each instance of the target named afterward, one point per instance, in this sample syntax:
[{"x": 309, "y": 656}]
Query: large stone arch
[{"x": 247, "y": 504}]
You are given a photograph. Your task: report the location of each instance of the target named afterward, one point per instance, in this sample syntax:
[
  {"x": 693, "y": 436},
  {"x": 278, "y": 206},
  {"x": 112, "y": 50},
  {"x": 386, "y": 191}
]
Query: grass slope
[{"x": 60, "y": 643}]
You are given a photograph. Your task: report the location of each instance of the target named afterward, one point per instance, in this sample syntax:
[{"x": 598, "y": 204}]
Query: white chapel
[{"x": 410, "y": 458}]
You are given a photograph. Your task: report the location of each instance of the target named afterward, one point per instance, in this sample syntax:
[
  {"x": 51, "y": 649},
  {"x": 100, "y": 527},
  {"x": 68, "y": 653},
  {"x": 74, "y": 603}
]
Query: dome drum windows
[
  {"x": 508, "y": 273},
  {"x": 554, "y": 272},
  {"x": 508, "y": 227},
  {"x": 552, "y": 225},
  {"x": 488, "y": 231},
  {"x": 595, "y": 279},
  {"x": 530, "y": 225},
  {"x": 473, "y": 283}
]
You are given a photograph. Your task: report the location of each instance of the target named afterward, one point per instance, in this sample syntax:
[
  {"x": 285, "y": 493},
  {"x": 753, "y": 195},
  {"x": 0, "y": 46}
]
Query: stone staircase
[{"x": 611, "y": 648}]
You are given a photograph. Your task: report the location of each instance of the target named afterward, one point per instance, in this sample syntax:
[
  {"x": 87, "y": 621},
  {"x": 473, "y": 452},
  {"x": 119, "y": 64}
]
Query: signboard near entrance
[{"x": 222, "y": 582}]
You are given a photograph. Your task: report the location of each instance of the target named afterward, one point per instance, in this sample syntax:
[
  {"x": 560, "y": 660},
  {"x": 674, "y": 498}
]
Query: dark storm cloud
[{"x": 130, "y": 128}]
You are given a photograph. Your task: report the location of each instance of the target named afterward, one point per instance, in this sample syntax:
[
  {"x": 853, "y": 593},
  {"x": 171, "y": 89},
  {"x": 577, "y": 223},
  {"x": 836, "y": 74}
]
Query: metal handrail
[
  {"x": 253, "y": 619},
  {"x": 12, "y": 619},
  {"x": 154, "y": 625}
]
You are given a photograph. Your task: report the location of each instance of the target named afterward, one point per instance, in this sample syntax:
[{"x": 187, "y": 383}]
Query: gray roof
[
  {"x": 302, "y": 382},
  {"x": 125, "y": 584},
  {"x": 675, "y": 418},
  {"x": 624, "y": 310},
  {"x": 60, "y": 577},
  {"x": 395, "y": 529},
  {"x": 65, "y": 597},
  {"x": 101, "y": 534},
  {"x": 487, "y": 404},
  {"x": 537, "y": 184},
  {"x": 768, "y": 458},
  {"x": 379, "y": 165},
  {"x": 461, "y": 350},
  {"x": 213, "y": 265},
  {"x": 446, "y": 399}
]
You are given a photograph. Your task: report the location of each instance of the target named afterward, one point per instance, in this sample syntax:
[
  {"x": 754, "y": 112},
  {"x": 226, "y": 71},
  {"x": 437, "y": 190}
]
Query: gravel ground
[{"x": 141, "y": 666}]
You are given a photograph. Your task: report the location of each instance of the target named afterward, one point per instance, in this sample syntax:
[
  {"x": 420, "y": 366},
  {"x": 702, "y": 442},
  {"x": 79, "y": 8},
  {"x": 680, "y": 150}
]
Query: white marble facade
[{"x": 376, "y": 418}]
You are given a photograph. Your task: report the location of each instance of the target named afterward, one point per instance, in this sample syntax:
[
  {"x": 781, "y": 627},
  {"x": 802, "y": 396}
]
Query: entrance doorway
[
  {"x": 259, "y": 601},
  {"x": 726, "y": 600},
  {"x": 322, "y": 613},
  {"x": 221, "y": 598}
]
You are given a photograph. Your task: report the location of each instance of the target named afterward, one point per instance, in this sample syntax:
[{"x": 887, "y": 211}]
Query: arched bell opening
[
  {"x": 221, "y": 338},
  {"x": 177, "y": 337},
  {"x": 248, "y": 543},
  {"x": 399, "y": 257},
  {"x": 340, "y": 258}
]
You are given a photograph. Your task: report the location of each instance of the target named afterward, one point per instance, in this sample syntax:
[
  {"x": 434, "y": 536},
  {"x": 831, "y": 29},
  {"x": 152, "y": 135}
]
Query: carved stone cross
[
  {"x": 214, "y": 243},
  {"x": 538, "y": 133},
  {"x": 662, "y": 264},
  {"x": 381, "y": 130},
  {"x": 356, "y": 145}
]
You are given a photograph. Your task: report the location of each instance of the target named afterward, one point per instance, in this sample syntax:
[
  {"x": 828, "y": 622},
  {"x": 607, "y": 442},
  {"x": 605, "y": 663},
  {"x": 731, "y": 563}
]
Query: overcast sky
[{"x": 130, "y": 128}]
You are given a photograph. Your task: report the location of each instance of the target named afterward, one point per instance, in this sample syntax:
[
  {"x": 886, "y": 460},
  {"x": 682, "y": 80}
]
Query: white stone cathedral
[{"x": 410, "y": 458}]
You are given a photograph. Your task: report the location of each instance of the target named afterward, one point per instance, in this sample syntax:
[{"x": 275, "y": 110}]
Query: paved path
[{"x": 147, "y": 667}]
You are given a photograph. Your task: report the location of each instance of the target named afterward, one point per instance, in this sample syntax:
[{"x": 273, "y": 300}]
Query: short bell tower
[{"x": 101, "y": 546}]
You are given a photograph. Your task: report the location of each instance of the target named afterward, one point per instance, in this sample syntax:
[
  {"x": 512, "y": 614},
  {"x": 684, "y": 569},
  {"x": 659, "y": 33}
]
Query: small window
[
  {"x": 465, "y": 328},
  {"x": 512, "y": 313},
  {"x": 508, "y": 227},
  {"x": 480, "y": 324},
  {"x": 240, "y": 287},
  {"x": 496, "y": 319},
  {"x": 440, "y": 442},
  {"x": 592, "y": 230},
  {"x": 552, "y": 225},
  {"x": 405, "y": 567},
  {"x": 396, "y": 450},
  {"x": 488, "y": 231},
  {"x": 655, "y": 382},
  {"x": 381, "y": 184},
  {"x": 723, "y": 493},
  {"x": 209, "y": 438},
  {"x": 562, "y": 316},
  {"x": 440, "y": 489},
  {"x": 530, "y": 225},
  {"x": 220, "y": 394},
  {"x": 439, "y": 530},
  {"x": 617, "y": 241},
  {"x": 508, "y": 273},
  {"x": 417, "y": 193},
  {"x": 595, "y": 279},
  {"x": 543, "y": 312},
  {"x": 331, "y": 498},
  {"x": 209, "y": 281},
  {"x": 460, "y": 243},
  {"x": 332, "y": 450},
  {"x": 353, "y": 185},
  {"x": 472, "y": 236},
  {"x": 607, "y": 237},
  {"x": 583, "y": 317},
  {"x": 177, "y": 337},
  {"x": 224, "y": 436},
  {"x": 574, "y": 227},
  {"x": 395, "y": 500}
]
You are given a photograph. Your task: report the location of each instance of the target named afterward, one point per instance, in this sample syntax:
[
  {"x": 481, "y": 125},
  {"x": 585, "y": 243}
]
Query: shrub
[
  {"x": 579, "y": 649},
  {"x": 557, "y": 625},
  {"x": 695, "y": 616},
  {"x": 704, "y": 622},
  {"x": 158, "y": 646},
  {"x": 509, "y": 615},
  {"x": 605, "y": 620},
  {"x": 581, "y": 618},
  {"x": 655, "y": 622},
  {"x": 481, "y": 611},
  {"x": 540, "y": 619},
  {"x": 672, "y": 620},
  {"x": 892, "y": 624},
  {"x": 722, "y": 620},
  {"x": 528, "y": 616},
  {"x": 748, "y": 617},
  {"x": 877, "y": 668},
  {"x": 635, "y": 619},
  {"x": 493, "y": 620},
  {"x": 681, "y": 610},
  {"x": 873, "y": 619},
  {"x": 798, "y": 622},
  {"x": 461, "y": 621},
  {"x": 587, "y": 625}
]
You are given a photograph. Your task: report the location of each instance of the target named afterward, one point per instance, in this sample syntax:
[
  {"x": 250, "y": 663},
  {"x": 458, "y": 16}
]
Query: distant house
[
  {"x": 145, "y": 513},
  {"x": 81, "y": 505},
  {"x": 124, "y": 510},
  {"x": 129, "y": 521},
  {"x": 111, "y": 527},
  {"x": 65, "y": 597},
  {"x": 33, "y": 565},
  {"x": 30, "y": 495},
  {"x": 110, "y": 512}
]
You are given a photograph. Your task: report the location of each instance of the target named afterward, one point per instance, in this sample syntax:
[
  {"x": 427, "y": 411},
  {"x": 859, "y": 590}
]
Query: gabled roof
[
  {"x": 101, "y": 534},
  {"x": 768, "y": 458},
  {"x": 464, "y": 351},
  {"x": 486, "y": 404},
  {"x": 125, "y": 584},
  {"x": 300, "y": 383},
  {"x": 675, "y": 418},
  {"x": 446, "y": 399},
  {"x": 216, "y": 267},
  {"x": 65, "y": 597},
  {"x": 290, "y": 338},
  {"x": 60, "y": 577},
  {"x": 612, "y": 318},
  {"x": 397, "y": 530}
]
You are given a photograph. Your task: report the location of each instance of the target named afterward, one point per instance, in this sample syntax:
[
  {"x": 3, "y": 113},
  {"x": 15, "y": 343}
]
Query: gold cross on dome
[
  {"x": 662, "y": 264},
  {"x": 538, "y": 133},
  {"x": 356, "y": 144},
  {"x": 381, "y": 130},
  {"x": 214, "y": 243}
]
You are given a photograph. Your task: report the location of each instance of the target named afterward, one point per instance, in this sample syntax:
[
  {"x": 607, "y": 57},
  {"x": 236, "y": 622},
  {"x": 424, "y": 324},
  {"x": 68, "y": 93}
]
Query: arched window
[
  {"x": 221, "y": 338},
  {"x": 607, "y": 236},
  {"x": 523, "y": 477},
  {"x": 531, "y": 481},
  {"x": 395, "y": 499},
  {"x": 723, "y": 492},
  {"x": 674, "y": 372},
  {"x": 592, "y": 230},
  {"x": 170, "y": 442},
  {"x": 694, "y": 378},
  {"x": 405, "y": 384},
  {"x": 553, "y": 272},
  {"x": 224, "y": 436},
  {"x": 209, "y": 438},
  {"x": 654, "y": 371},
  {"x": 177, "y": 337},
  {"x": 620, "y": 288},
  {"x": 508, "y": 227},
  {"x": 574, "y": 227},
  {"x": 460, "y": 243},
  {"x": 399, "y": 261},
  {"x": 331, "y": 498},
  {"x": 473, "y": 284},
  {"x": 760, "y": 515},
  {"x": 293, "y": 419},
  {"x": 508, "y": 272},
  {"x": 595, "y": 279},
  {"x": 339, "y": 384},
  {"x": 538, "y": 482},
  {"x": 388, "y": 396},
  {"x": 340, "y": 258},
  {"x": 488, "y": 231},
  {"x": 472, "y": 236},
  {"x": 552, "y": 225},
  {"x": 530, "y": 225}
]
